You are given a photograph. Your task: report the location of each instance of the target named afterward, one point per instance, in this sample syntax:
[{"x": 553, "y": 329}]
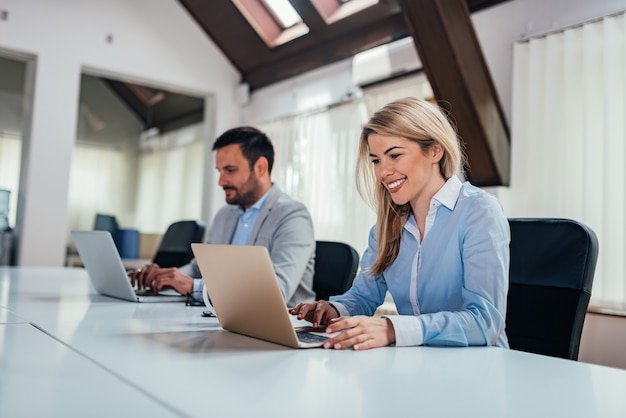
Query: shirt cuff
[
  {"x": 340, "y": 308},
  {"x": 408, "y": 330},
  {"x": 198, "y": 287}
]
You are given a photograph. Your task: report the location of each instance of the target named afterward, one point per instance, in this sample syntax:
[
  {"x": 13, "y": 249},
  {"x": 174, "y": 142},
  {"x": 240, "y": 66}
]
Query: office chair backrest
[
  {"x": 104, "y": 222},
  {"x": 126, "y": 239},
  {"x": 175, "y": 247},
  {"x": 551, "y": 273},
  {"x": 336, "y": 264}
]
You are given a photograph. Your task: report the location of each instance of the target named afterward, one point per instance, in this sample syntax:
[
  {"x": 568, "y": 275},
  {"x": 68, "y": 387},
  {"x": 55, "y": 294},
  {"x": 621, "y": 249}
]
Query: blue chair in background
[{"x": 126, "y": 239}]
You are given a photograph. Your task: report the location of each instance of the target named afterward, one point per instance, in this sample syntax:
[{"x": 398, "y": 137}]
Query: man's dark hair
[{"x": 253, "y": 143}]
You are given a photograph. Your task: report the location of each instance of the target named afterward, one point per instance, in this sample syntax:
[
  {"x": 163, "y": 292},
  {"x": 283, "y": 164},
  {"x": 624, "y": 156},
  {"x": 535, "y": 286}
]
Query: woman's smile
[{"x": 395, "y": 185}]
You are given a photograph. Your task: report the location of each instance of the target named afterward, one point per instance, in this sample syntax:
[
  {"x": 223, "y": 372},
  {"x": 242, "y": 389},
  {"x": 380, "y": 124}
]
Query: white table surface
[
  {"x": 42, "y": 377},
  {"x": 188, "y": 366}
]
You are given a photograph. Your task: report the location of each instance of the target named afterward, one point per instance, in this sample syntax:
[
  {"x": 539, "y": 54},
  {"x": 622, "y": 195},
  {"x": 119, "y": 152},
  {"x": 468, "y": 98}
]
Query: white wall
[
  {"x": 603, "y": 340},
  {"x": 154, "y": 42},
  {"x": 312, "y": 90}
]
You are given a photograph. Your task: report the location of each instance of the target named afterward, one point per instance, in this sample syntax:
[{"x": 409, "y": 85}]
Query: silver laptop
[
  {"x": 246, "y": 297},
  {"x": 106, "y": 270}
]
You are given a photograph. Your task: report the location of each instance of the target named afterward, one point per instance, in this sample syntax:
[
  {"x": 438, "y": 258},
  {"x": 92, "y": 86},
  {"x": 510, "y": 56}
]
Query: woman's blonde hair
[{"x": 416, "y": 120}]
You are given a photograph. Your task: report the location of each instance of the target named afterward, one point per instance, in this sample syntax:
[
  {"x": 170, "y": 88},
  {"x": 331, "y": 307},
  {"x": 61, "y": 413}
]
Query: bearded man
[{"x": 257, "y": 213}]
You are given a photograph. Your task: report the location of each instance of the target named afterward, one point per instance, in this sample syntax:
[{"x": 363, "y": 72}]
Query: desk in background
[{"x": 96, "y": 356}]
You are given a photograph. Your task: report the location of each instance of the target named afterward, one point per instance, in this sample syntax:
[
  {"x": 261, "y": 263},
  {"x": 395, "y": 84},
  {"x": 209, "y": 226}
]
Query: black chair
[
  {"x": 175, "y": 247},
  {"x": 551, "y": 273},
  {"x": 104, "y": 222},
  {"x": 336, "y": 264}
]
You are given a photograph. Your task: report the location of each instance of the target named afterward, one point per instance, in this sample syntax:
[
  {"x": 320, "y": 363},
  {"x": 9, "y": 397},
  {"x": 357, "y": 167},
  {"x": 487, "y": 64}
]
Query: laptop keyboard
[{"x": 307, "y": 337}]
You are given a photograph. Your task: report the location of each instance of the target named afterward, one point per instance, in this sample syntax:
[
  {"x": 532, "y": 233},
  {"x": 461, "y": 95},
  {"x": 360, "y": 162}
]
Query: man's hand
[
  {"x": 157, "y": 278},
  {"x": 317, "y": 313}
]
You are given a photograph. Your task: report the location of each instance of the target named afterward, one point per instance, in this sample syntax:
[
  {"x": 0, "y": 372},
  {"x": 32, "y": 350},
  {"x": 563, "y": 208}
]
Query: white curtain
[
  {"x": 147, "y": 191},
  {"x": 568, "y": 138},
  {"x": 316, "y": 157},
  {"x": 315, "y": 161},
  {"x": 169, "y": 187},
  {"x": 99, "y": 181}
]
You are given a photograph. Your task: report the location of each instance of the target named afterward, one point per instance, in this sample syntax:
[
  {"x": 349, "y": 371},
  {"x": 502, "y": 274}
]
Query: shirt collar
[
  {"x": 449, "y": 192},
  {"x": 257, "y": 206}
]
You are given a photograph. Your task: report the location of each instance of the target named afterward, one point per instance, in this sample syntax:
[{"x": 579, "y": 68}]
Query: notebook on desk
[
  {"x": 107, "y": 273},
  {"x": 246, "y": 297}
]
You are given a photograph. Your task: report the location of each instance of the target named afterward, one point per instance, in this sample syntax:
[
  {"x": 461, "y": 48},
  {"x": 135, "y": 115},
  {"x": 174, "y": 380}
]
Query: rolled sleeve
[{"x": 408, "y": 330}]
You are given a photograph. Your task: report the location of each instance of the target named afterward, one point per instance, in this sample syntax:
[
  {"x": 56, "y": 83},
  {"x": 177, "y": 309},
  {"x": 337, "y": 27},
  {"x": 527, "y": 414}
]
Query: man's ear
[{"x": 260, "y": 167}]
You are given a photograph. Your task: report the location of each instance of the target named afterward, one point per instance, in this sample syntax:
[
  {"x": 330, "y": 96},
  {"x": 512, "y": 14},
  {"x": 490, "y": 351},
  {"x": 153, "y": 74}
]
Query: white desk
[{"x": 168, "y": 352}]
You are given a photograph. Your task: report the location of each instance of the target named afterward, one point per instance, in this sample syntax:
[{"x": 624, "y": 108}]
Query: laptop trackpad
[
  {"x": 164, "y": 292},
  {"x": 169, "y": 292}
]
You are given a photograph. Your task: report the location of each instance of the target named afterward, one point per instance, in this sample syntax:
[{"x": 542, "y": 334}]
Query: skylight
[
  {"x": 278, "y": 21},
  {"x": 284, "y": 12},
  {"x": 335, "y": 10},
  {"x": 275, "y": 21}
]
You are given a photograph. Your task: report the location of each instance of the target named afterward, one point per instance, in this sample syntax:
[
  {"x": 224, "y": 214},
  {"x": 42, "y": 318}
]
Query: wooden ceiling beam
[
  {"x": 321, "y": 54},
  {"x": 455, "y": 66}
]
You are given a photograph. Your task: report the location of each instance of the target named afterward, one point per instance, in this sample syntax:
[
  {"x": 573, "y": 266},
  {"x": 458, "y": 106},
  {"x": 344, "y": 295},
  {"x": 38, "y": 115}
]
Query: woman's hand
[
  {"x": 317, "y": 313},
  {"x": 360, "y": 333}
]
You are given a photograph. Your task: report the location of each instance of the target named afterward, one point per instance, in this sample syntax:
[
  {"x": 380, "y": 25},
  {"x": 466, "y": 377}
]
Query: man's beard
[{"x": 250, "y": 194}]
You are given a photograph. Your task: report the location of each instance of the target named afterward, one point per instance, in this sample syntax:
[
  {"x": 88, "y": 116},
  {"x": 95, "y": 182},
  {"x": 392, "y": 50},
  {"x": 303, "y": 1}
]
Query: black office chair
[
  {"x": 104, "y": 222},
  {"x": 175, "y": 247},
  {"x": 551, "y": 273},
  {"x": 336, "y": 264}
]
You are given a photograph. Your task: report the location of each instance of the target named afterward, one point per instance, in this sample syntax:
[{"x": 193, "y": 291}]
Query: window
[
  {"x": 275, "y": 21},
  {"x": 284, "y": 12},
  {"x": 278, "y": 22},
  {"x": 335, "y": 10}
]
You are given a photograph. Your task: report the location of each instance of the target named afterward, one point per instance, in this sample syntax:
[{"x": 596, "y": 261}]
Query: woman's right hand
[{"x": 317, "y": 313}]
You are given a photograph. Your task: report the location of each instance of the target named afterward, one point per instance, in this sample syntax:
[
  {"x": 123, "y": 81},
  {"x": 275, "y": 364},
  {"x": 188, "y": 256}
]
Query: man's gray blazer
[{"x": 284, "y": 226}]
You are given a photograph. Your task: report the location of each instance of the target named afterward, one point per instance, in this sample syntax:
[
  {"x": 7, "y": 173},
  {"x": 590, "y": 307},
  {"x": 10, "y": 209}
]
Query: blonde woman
[{"x": 440, "y": 246}]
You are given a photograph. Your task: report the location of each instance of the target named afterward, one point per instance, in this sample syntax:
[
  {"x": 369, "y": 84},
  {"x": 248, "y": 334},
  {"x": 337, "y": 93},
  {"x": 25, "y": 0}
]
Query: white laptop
[
  {"x": 246, "y": 297},
  {"x": 106, "y": 270}
]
